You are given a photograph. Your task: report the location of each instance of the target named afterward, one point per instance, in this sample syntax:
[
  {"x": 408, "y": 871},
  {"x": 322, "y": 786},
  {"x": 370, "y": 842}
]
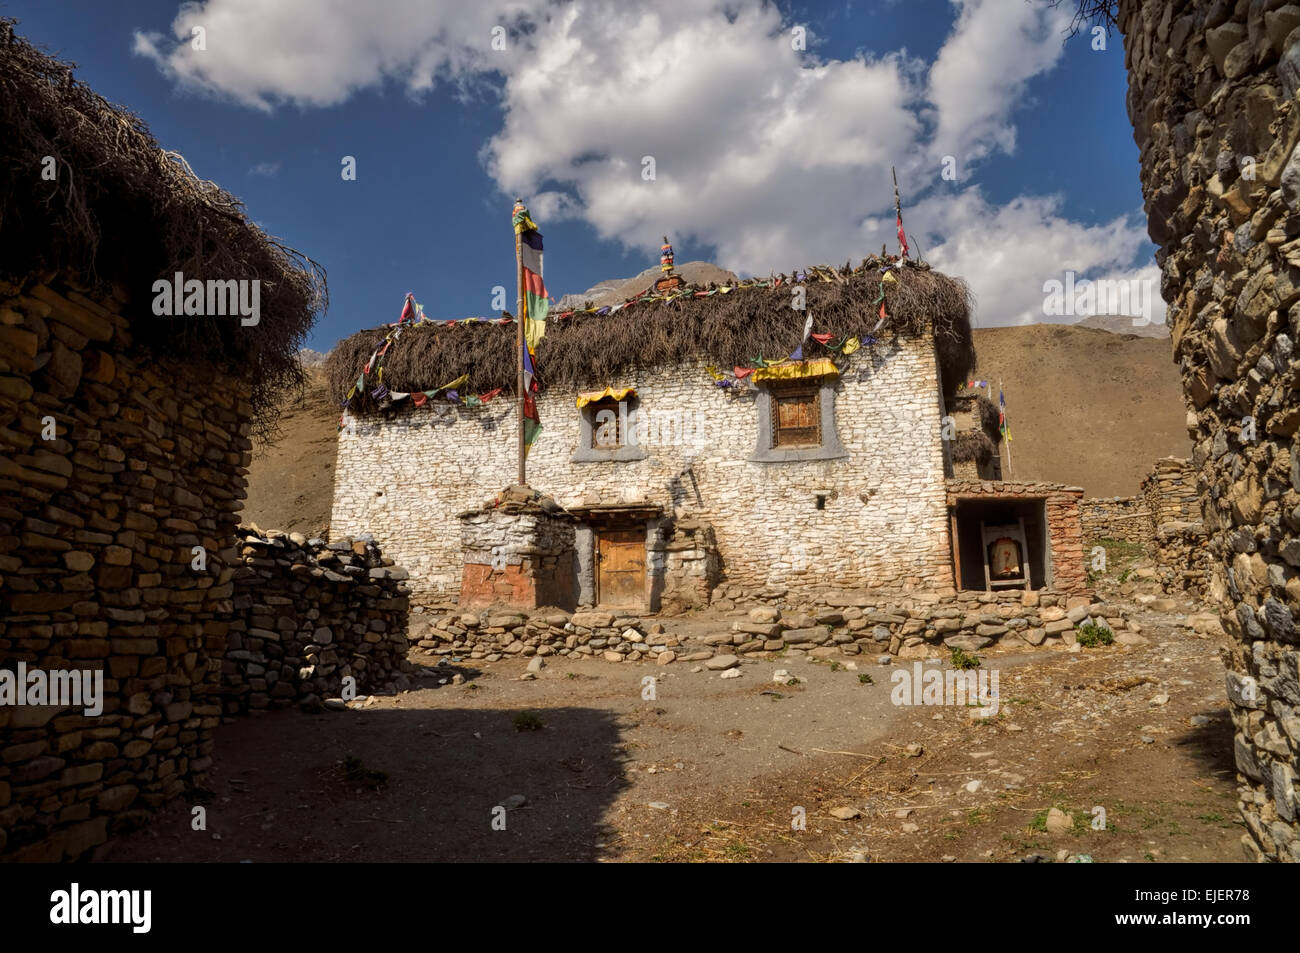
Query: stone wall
[
  {"x": 1124, "y": 518},
  {"x": 1212, "y": 98},
  {"x": 115, "y": 466},
  {"x": 692, "y": 566},
  {"x": 521, "y": 559},
  {"x": 1170, "y": 492},
  {"x": 877, "y": 513},
  {"x": 308, "y": 614},
  {"x": 1178, "y": 534},
  {"x": 920, "y": 624}
]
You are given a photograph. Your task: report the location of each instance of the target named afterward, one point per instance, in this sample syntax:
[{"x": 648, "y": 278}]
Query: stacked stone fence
[
  {"x": 116, "y": 470},
  {"x": 1124, "y": 518},
  {"x": 1170, "y": 492},
  {"x": 309, "y": 614},
  {"x": 844, "y": 623},
  {"x": 1165, "y": 518},
  {"x": 121, "y": 577}
]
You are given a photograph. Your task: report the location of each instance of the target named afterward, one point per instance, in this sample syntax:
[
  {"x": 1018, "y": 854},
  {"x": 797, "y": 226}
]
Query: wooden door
[{"x": 620, "y": 567}]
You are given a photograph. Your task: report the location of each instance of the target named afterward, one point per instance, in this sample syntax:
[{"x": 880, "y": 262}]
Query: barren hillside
[
  {"x": 1086, "y": 407},
  {"x": 291, "y": 482}
]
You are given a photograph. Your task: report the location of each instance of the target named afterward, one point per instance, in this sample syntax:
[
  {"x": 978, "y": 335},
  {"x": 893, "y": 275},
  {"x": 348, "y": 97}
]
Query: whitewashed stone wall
[{"x": 884, "y": 521}]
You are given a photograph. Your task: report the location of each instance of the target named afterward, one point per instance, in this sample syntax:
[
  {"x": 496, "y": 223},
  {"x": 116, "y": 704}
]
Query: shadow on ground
[{"x": 398, "y": 785}]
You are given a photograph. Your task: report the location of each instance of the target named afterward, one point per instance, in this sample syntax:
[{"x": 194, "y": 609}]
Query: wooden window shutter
[
  {"x": 796, "y": 415},
  {"x": 606, "y": 433}
]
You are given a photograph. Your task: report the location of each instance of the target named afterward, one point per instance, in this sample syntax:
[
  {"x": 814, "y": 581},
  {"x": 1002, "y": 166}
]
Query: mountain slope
[{"x": 1086, "y": 407}]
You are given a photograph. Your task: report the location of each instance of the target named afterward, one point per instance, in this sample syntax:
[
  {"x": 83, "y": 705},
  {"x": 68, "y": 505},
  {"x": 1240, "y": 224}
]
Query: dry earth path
[{"x": 713, "y": 769}]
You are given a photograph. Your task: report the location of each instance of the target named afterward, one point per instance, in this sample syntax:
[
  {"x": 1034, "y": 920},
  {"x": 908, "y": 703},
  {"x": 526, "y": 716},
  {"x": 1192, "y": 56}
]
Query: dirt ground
[{"x": 713, "y": 769}]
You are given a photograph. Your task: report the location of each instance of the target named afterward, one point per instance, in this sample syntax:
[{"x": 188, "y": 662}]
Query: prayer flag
[{"x": 535, "y": 304}]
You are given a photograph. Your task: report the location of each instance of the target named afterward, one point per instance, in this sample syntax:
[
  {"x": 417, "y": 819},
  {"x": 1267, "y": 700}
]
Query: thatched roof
[
  {"x": 752, "y": 319},
  {"x": 122, "y": 211},
  {"x": 973, "y": 445}
]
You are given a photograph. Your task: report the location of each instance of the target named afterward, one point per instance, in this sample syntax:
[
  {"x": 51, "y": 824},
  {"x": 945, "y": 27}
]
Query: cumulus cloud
[
  {"x": 1008, "y": 253},
  {"x": 980, "y": 74},
  {"x": 320, "y": 52},
  {"x": 773, "y": 156}
]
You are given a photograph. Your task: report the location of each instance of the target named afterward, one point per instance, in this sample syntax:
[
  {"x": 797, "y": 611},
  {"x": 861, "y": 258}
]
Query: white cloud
[
  {"x": 1007, "y": 253},
  {"x": 776, "y": 158},
  {"x": 980, "y": 74},
  {"x": 320, "y": 52},
  {"x": 751, "y": 142},
  {"x": 268, "y": 169}
]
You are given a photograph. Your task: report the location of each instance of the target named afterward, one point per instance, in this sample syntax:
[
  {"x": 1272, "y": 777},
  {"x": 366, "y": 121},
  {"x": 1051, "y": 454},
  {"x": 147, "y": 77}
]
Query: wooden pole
[
  {"x": 898, "y": 209},
  {"x": 520, "y": 308},
  {"x": 1006, "y": 430}
]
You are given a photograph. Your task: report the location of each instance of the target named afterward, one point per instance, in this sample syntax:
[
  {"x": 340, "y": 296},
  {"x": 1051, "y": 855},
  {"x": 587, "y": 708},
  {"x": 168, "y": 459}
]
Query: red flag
[{"x": 902, "y": 239}]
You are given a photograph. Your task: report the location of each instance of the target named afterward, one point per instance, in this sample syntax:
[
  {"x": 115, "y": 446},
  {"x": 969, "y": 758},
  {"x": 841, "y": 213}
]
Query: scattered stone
[
  {"x": 1058, "y": 822},
  {"x": 720, "y": 662}
]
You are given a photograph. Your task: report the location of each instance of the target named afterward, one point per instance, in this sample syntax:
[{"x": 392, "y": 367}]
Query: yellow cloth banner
[
  {"x": 797, "y": 369},
  {"x": 534, "y": 331},
  {"x": 592, "y": 396},
  {"x": 457, "y": 384}
]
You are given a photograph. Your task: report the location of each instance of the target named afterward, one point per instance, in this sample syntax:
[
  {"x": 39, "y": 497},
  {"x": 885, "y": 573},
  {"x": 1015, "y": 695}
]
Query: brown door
[{"x": 620, "y": 567}]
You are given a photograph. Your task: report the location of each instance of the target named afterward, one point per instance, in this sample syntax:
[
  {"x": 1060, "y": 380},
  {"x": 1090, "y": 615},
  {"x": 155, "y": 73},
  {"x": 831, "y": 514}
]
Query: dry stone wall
[
  {"x": 692, "y": 566},
  {"x": 309, "y": 614},
  {"x": 518, "y": 558},
  {"x": 114, "y": 468},
  {"x": 1180, "y": 541},
  {"x": 1212, "y": 97},
  {"x": 1125, "y": 518},
  {"x": 1169, "y": 491},
  {"x": 881, "y": 516},
  {"x": 921, "y": 624}
]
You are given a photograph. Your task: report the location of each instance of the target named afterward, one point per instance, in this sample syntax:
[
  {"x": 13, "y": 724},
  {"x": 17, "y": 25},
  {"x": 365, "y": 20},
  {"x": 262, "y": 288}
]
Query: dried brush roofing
[
  {"x": 121, "y": 210},
  {"x": 751, "y": 320}
]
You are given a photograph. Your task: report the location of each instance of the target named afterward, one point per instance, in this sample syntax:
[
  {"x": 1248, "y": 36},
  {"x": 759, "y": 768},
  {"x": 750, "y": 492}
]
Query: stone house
[{"x": 665, "y": 474}]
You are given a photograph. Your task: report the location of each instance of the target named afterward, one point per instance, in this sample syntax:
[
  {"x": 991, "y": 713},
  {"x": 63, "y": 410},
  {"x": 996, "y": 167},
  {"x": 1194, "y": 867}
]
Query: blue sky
[{"x": 768, "y": 157}]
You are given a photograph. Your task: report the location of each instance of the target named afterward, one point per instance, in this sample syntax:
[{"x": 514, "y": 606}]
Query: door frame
[{"x": 607, "y": 528}]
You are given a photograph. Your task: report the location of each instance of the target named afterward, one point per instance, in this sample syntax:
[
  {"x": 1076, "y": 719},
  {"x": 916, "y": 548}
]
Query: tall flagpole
[
  {"x": 1005, "y": 429},
  {"x": 520, "y": 308},
  {"x": 898, "y": 212}
]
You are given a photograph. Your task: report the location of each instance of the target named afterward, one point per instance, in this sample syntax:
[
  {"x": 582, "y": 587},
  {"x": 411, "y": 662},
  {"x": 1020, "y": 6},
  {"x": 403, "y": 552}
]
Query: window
[
  {"x": 609, "y": 424},
  {"x": 796, "y": 415}
]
